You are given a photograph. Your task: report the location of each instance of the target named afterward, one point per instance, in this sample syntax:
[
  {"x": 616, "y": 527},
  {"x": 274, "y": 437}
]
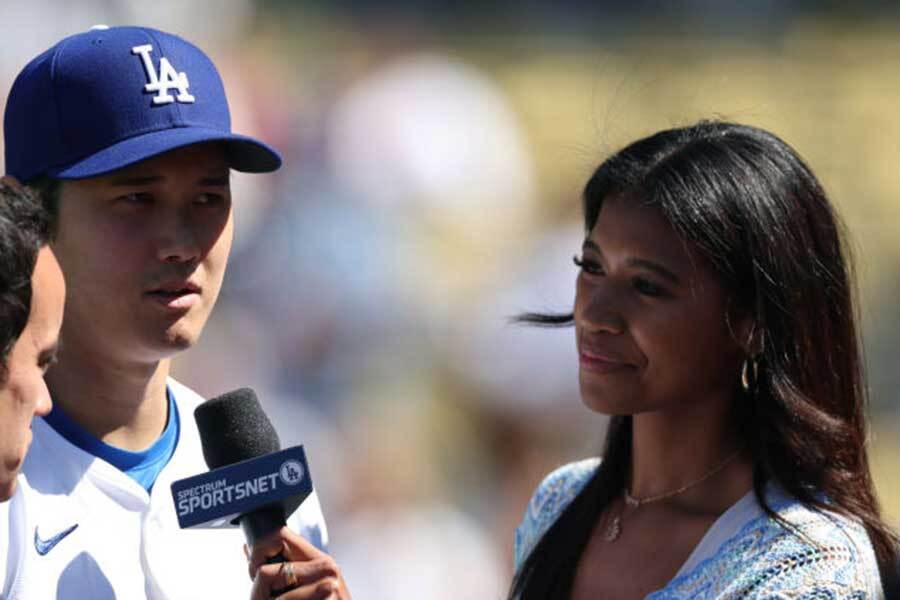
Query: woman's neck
[{"x": 700, "y": 454}]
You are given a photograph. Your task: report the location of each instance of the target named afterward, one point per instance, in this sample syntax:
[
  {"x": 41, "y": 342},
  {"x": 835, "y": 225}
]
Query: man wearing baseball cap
[{"x": 126, "y": 134}]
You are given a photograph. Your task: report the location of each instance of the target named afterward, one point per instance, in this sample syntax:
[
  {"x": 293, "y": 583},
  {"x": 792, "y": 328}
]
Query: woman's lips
[{"x": 600, "y": 363}]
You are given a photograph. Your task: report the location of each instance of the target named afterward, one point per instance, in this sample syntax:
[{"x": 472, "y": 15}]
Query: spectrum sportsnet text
[
  {"x": 216, "y": 498},
  {"x": 220, "y": 492}
]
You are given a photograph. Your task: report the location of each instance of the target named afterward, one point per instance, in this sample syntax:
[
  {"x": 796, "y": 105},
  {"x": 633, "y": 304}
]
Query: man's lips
[
  {"x": 176, "y": 285},
  {"x": 176, "y": 294}
]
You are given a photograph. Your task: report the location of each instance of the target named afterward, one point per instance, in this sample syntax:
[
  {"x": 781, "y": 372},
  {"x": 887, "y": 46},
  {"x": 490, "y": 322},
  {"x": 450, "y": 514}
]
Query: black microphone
[{"x": 234, "y": 428}]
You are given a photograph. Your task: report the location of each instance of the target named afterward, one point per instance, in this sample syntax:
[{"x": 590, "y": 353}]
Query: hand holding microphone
[
  {"x": 239, "y": 445},
  {"x": 307, "y": 572}
]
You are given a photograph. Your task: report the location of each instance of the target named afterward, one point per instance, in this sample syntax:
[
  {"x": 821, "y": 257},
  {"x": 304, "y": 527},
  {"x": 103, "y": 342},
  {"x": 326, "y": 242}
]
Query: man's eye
[
  {"x": 210, "y": 199},
  {"x": 137, "y": 198}
]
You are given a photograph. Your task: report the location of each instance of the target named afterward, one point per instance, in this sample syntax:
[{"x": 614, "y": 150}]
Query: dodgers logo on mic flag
[{"x": 218, "y": 497}]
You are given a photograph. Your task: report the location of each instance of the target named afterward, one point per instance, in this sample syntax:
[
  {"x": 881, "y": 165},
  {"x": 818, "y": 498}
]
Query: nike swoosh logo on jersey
[{"x": 45, "y": 546}]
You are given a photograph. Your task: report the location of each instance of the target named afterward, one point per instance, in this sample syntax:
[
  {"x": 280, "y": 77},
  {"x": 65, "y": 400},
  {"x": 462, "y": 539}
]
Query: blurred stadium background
[{"x": 434, "y": 155}]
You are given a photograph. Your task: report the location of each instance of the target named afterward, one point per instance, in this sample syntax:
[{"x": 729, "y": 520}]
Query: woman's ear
[
  {"x": 743, "y": 325},
  {"x": 756, "y": 340}
]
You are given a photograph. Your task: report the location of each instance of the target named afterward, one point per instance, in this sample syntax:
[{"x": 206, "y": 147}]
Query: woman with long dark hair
[{"x": 715, "y": 322}]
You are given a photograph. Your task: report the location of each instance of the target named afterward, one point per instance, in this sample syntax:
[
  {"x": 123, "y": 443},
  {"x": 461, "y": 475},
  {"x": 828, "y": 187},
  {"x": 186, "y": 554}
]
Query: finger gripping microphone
[{"x": 251, "y": 482}]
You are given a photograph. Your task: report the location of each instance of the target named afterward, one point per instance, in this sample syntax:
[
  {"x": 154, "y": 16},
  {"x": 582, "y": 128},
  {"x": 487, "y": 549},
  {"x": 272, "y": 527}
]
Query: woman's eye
[
  {"x": 587, "y": 265},
  {"x": 648, "y": 288}
]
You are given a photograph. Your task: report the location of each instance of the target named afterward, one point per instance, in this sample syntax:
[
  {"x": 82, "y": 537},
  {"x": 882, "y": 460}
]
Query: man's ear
[{"x": 12, "y": 182}]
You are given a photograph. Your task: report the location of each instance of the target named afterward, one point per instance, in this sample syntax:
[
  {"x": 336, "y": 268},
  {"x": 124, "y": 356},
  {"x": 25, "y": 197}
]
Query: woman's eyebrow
[
  {"x": 656, "y": 268},
  {"x": 644, "y": 263}
]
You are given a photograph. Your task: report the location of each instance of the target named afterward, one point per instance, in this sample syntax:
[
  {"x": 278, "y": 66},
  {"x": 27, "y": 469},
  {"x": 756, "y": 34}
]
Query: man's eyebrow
[
  {"x": 140, "y": 180},
  {"x": 217, "y": 180},
  {"x": 650, "y": 265},
  {"x": 135, "y": 180}
]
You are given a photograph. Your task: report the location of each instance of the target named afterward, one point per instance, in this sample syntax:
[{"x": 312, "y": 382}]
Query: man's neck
[{"x": 124, "y": 405}]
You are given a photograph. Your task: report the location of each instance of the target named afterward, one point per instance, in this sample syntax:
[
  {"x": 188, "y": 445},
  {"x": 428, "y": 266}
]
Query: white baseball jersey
[{"x": 78, "y": 528}]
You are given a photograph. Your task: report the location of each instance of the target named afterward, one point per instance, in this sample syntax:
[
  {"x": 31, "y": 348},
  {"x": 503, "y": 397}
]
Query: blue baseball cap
[{"x": 107, "y": 98}]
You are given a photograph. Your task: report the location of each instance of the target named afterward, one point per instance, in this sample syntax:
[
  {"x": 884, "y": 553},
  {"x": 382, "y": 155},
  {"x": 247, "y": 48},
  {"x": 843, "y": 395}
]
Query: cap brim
[{"x": 244, "y": 153}]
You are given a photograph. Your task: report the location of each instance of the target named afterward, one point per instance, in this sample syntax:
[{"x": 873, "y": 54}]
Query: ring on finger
[{"x": 289, "y": 575}]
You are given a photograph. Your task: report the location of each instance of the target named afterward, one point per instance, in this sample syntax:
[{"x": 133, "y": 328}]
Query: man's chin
[
  {"x": 167, "y": 344},
  {"x": 7, "y": 488},
  {"x": 176, "y": 342},
  {"x": 157, "y": 341}
]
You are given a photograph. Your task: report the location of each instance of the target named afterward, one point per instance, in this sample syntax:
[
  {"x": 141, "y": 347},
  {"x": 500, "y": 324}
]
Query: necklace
[{"x": 615, "y": 527}]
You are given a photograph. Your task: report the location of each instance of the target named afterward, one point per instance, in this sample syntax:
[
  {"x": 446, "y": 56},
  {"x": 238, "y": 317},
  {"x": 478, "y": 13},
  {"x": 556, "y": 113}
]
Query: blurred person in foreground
[
  {"x": 126, "y": 134},
  {"x": 32, "y": 294},
  {"x": 714, "y": 322}
]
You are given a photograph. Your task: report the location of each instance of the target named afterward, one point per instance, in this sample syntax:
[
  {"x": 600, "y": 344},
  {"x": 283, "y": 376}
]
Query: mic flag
[
  {"x": 251, "y": 482},
  {"x": 217, "y": 498}
]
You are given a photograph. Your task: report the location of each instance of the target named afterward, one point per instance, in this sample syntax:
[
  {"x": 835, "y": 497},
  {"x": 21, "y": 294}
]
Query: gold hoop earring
[{"x": 750, "y": 374}]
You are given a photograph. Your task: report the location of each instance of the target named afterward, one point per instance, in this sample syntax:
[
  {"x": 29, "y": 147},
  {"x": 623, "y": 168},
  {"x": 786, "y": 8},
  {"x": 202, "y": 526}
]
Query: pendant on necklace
[{"x": 612, "y": 532}]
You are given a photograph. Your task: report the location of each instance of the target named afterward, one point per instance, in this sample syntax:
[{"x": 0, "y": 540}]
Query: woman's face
[{"x": 650, "y": 318}]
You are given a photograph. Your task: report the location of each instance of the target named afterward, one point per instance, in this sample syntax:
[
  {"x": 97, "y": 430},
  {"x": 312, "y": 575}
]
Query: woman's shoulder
[
  {"x": 549, "y": 500},
  {"x": 827, "y": 552},
  {"x": 812, "y": 553}
]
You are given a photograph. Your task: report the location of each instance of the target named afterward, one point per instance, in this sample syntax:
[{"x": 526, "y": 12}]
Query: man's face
[
  {"x": 24, "y": 394},
  {"x": 144, "y": 251}
]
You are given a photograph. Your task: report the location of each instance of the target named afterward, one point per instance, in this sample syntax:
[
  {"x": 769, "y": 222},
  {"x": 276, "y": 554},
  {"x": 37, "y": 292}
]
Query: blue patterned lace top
[{"x": 746, "y": 553}]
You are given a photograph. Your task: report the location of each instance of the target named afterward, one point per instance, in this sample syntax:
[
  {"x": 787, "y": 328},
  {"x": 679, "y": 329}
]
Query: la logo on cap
[{"x": 168, "y": 79}]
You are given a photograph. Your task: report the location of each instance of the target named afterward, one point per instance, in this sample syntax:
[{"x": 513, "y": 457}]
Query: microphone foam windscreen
[{"x": 233, "y": 427}]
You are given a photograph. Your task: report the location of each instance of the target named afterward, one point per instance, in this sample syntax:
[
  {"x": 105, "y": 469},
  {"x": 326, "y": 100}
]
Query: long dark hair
[{"x": 757, "y": 213}]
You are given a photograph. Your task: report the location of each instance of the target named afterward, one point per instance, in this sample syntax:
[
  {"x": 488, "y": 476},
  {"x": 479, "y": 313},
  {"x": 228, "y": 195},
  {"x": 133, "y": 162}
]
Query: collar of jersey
[{"x": 142, "y": 466}]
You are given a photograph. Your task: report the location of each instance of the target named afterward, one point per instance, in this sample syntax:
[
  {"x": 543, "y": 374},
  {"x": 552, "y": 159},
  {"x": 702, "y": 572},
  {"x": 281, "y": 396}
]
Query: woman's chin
[
  {"x": 605, "y": 406},
  {"x": 606, "y": 401}
]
